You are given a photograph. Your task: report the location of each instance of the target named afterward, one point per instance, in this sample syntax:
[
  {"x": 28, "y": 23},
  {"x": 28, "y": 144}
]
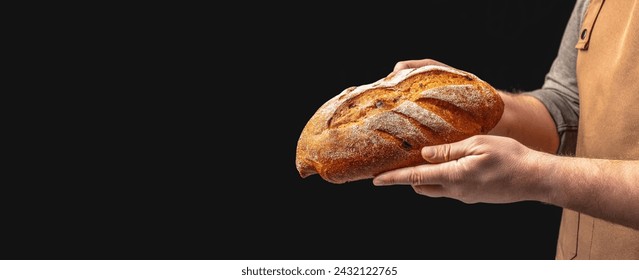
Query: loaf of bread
[{"x": 369, "y": 129}]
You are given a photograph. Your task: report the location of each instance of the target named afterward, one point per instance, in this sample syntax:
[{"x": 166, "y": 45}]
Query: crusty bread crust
[{"x": 373, "y": 128}]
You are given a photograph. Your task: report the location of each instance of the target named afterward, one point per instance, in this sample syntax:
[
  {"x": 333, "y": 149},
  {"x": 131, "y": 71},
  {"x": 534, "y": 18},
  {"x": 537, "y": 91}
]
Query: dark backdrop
[{"x": 197, "y": 160}]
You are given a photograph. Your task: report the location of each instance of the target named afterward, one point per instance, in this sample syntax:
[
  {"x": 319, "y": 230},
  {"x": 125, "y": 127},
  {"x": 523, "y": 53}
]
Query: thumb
[{"x": 447, "y": 152}]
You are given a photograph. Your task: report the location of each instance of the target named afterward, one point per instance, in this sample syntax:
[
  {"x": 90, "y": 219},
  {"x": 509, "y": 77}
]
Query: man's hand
[
  {"x": 498, "y": 169},
  {"x": 407, "y": 64},
  {"x": 481, "y": 168}
]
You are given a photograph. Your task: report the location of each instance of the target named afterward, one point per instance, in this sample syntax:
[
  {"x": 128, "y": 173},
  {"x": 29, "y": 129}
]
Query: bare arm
[
  {"x": 526, "y": 120},
  {"x": 606, "y": 189},
  {"x": 496, "y": 169}
]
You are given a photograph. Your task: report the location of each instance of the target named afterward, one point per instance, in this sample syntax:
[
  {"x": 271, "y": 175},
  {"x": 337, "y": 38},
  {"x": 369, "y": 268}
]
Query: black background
[{"x": 203, "y": 167}]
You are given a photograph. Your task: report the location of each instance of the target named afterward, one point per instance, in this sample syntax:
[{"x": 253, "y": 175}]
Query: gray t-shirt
[{"x": 559, "y": 93}]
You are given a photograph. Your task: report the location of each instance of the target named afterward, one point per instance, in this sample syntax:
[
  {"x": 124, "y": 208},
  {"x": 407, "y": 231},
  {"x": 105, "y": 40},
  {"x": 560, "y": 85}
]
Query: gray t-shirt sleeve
[{"x": 559, "y": 93}]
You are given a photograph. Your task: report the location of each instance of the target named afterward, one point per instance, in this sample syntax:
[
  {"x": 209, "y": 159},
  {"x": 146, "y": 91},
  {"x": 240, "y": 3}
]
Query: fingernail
[{"x": 378, "y": 182}]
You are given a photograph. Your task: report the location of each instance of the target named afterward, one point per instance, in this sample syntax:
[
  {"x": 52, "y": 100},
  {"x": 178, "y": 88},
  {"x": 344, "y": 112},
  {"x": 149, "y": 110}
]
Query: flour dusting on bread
[{"x": 368, "y": 129}]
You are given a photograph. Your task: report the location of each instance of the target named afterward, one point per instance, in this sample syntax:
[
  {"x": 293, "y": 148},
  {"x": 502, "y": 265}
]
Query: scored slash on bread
[{"x": 369, "y": 129}]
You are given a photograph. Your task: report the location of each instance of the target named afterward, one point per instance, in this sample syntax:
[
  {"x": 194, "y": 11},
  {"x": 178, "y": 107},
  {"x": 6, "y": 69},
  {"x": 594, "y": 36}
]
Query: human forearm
[
  {"x": 606, "y": 189},
  {"x": 494, "y": 169},
  {"x": 526, "y": 120}
]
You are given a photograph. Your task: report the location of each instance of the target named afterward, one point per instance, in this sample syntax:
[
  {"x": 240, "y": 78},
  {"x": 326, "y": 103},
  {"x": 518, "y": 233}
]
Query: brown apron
[{"x": 608, "y": 80}]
